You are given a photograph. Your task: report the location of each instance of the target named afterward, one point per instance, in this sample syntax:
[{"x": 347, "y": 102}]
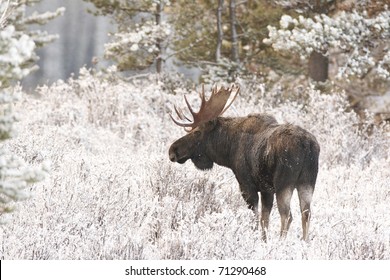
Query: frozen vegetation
[
  {"x": 351, "y": 33},
  {"x": 17, "y": 57},
  {"x": 112, "y": 192}
]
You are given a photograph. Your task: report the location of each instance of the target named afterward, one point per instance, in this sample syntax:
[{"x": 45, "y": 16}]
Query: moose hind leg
[
  {"x": 305, "y": 194},
  {"x": 267, "y": 200},
  {"x": 283, "y": 199}
]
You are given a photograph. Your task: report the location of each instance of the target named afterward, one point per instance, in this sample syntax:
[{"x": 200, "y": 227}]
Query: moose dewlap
[{"x": 265, "y": 156}]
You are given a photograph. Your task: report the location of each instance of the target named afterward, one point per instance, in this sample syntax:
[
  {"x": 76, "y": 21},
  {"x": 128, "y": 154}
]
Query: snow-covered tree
[
  {"x": 363, "y": 38},
  {"x": 142, "y": 31},
  {"x": 15, "y": 25},
  {"x": 17, "y": 57}
]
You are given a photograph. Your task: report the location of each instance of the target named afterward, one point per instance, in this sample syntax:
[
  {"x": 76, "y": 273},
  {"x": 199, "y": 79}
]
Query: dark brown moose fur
[{"x": 265, "y": 157}]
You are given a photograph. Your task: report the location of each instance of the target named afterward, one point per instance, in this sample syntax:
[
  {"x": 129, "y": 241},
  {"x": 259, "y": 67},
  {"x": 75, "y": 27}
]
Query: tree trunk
[
  {"x": 318, "y": 63},
  {"x": 219, "y": 31},
  {"x": 234, "y": 38},
  {"x": 318, "y": 67},
  {"x": 158, "y": 44}
]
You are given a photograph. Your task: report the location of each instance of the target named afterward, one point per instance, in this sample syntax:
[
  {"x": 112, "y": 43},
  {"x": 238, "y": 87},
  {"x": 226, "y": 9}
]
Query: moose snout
[
  {"x": 172, "y": 157},
  {"x": 176, "y": 156},
  {"x": 172, "y": 154}
]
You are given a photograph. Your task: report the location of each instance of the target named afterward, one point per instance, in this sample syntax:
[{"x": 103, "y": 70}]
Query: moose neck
[{"x": 219, "y": 146}]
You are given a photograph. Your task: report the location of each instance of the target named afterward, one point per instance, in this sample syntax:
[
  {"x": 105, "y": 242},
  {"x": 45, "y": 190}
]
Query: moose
[{"x": 264, "y": 156}]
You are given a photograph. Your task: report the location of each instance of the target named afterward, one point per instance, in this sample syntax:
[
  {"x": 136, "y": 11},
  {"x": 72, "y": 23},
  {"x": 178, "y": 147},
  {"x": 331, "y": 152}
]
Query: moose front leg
[
  {"x": 251, "y": 198},
  {"x": 267, "y": 200}
]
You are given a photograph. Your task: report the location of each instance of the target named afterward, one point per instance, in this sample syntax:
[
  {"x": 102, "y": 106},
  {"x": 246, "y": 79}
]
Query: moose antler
[{"x": 209, "y": 110}]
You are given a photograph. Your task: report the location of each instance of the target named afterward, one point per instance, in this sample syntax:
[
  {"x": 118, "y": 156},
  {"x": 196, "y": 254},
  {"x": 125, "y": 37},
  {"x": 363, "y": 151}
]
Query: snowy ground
[{"x": 114, "y": 194}]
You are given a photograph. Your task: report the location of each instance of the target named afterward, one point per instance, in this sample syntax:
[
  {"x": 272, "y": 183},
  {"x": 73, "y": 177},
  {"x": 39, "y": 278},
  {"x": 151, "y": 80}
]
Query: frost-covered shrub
[
  {"x": 114, "y": 194},
  {"x": 218, "y": 72}
]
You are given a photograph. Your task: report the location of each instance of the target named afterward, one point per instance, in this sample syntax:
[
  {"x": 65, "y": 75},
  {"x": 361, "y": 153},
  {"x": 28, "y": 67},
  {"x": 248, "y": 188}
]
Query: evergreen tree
[
  {"x": 361, "y": 34},
  {"x": 223, "y": 37},
  {"x": 142, "y": 31},
  {"x": 17, "y": 58}
]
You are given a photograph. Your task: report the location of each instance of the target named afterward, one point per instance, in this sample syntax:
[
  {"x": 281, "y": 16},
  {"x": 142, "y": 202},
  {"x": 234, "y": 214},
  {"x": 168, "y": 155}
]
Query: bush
[{"x": 114, "y": 194}]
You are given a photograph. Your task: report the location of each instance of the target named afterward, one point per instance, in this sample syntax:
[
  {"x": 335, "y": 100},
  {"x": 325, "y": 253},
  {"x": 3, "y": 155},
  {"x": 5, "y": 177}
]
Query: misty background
[{"x": 81, "y": 40}]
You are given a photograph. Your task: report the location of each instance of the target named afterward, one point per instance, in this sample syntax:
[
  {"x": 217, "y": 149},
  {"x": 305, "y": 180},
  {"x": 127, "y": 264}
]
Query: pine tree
[
  {"x": 17, "y": 58},
  {"x": 142, "y": 31},
  {"x": 361, "y": 34},
  {"x": 225, "y": 37}
]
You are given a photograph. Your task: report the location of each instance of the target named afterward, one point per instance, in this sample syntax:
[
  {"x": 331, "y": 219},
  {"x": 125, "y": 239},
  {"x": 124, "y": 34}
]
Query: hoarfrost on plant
[{"x": 351, "y": 32}]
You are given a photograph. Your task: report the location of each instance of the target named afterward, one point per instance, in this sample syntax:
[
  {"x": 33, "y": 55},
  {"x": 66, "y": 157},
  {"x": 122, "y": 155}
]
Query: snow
[
  {"x": 352, "y": 32},
  {"x": 113, "y": 193}
]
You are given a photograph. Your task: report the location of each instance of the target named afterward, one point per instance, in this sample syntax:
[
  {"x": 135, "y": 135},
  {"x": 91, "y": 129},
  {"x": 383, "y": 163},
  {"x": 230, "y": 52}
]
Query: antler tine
[
  {"x": 234, "y": 97},
  {"x": 214, "y": 90},
  {"x": 202, "y": 98},
  {"x": 178, "y": 123},
  {"x": 181, "y": 115},
  {"x": 189, "y": 106}
]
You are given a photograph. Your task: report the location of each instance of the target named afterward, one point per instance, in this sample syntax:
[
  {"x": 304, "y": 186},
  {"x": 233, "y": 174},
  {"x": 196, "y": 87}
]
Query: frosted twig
[{"x": 4, "y": 15}]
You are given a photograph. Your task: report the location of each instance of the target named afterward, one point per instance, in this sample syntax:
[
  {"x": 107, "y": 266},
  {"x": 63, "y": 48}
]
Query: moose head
[{"x": 192, "y": 145}]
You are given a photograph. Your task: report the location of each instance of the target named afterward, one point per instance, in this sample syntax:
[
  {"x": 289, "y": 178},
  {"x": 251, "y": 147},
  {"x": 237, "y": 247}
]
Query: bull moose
[{"x": 265, "y": 156}]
